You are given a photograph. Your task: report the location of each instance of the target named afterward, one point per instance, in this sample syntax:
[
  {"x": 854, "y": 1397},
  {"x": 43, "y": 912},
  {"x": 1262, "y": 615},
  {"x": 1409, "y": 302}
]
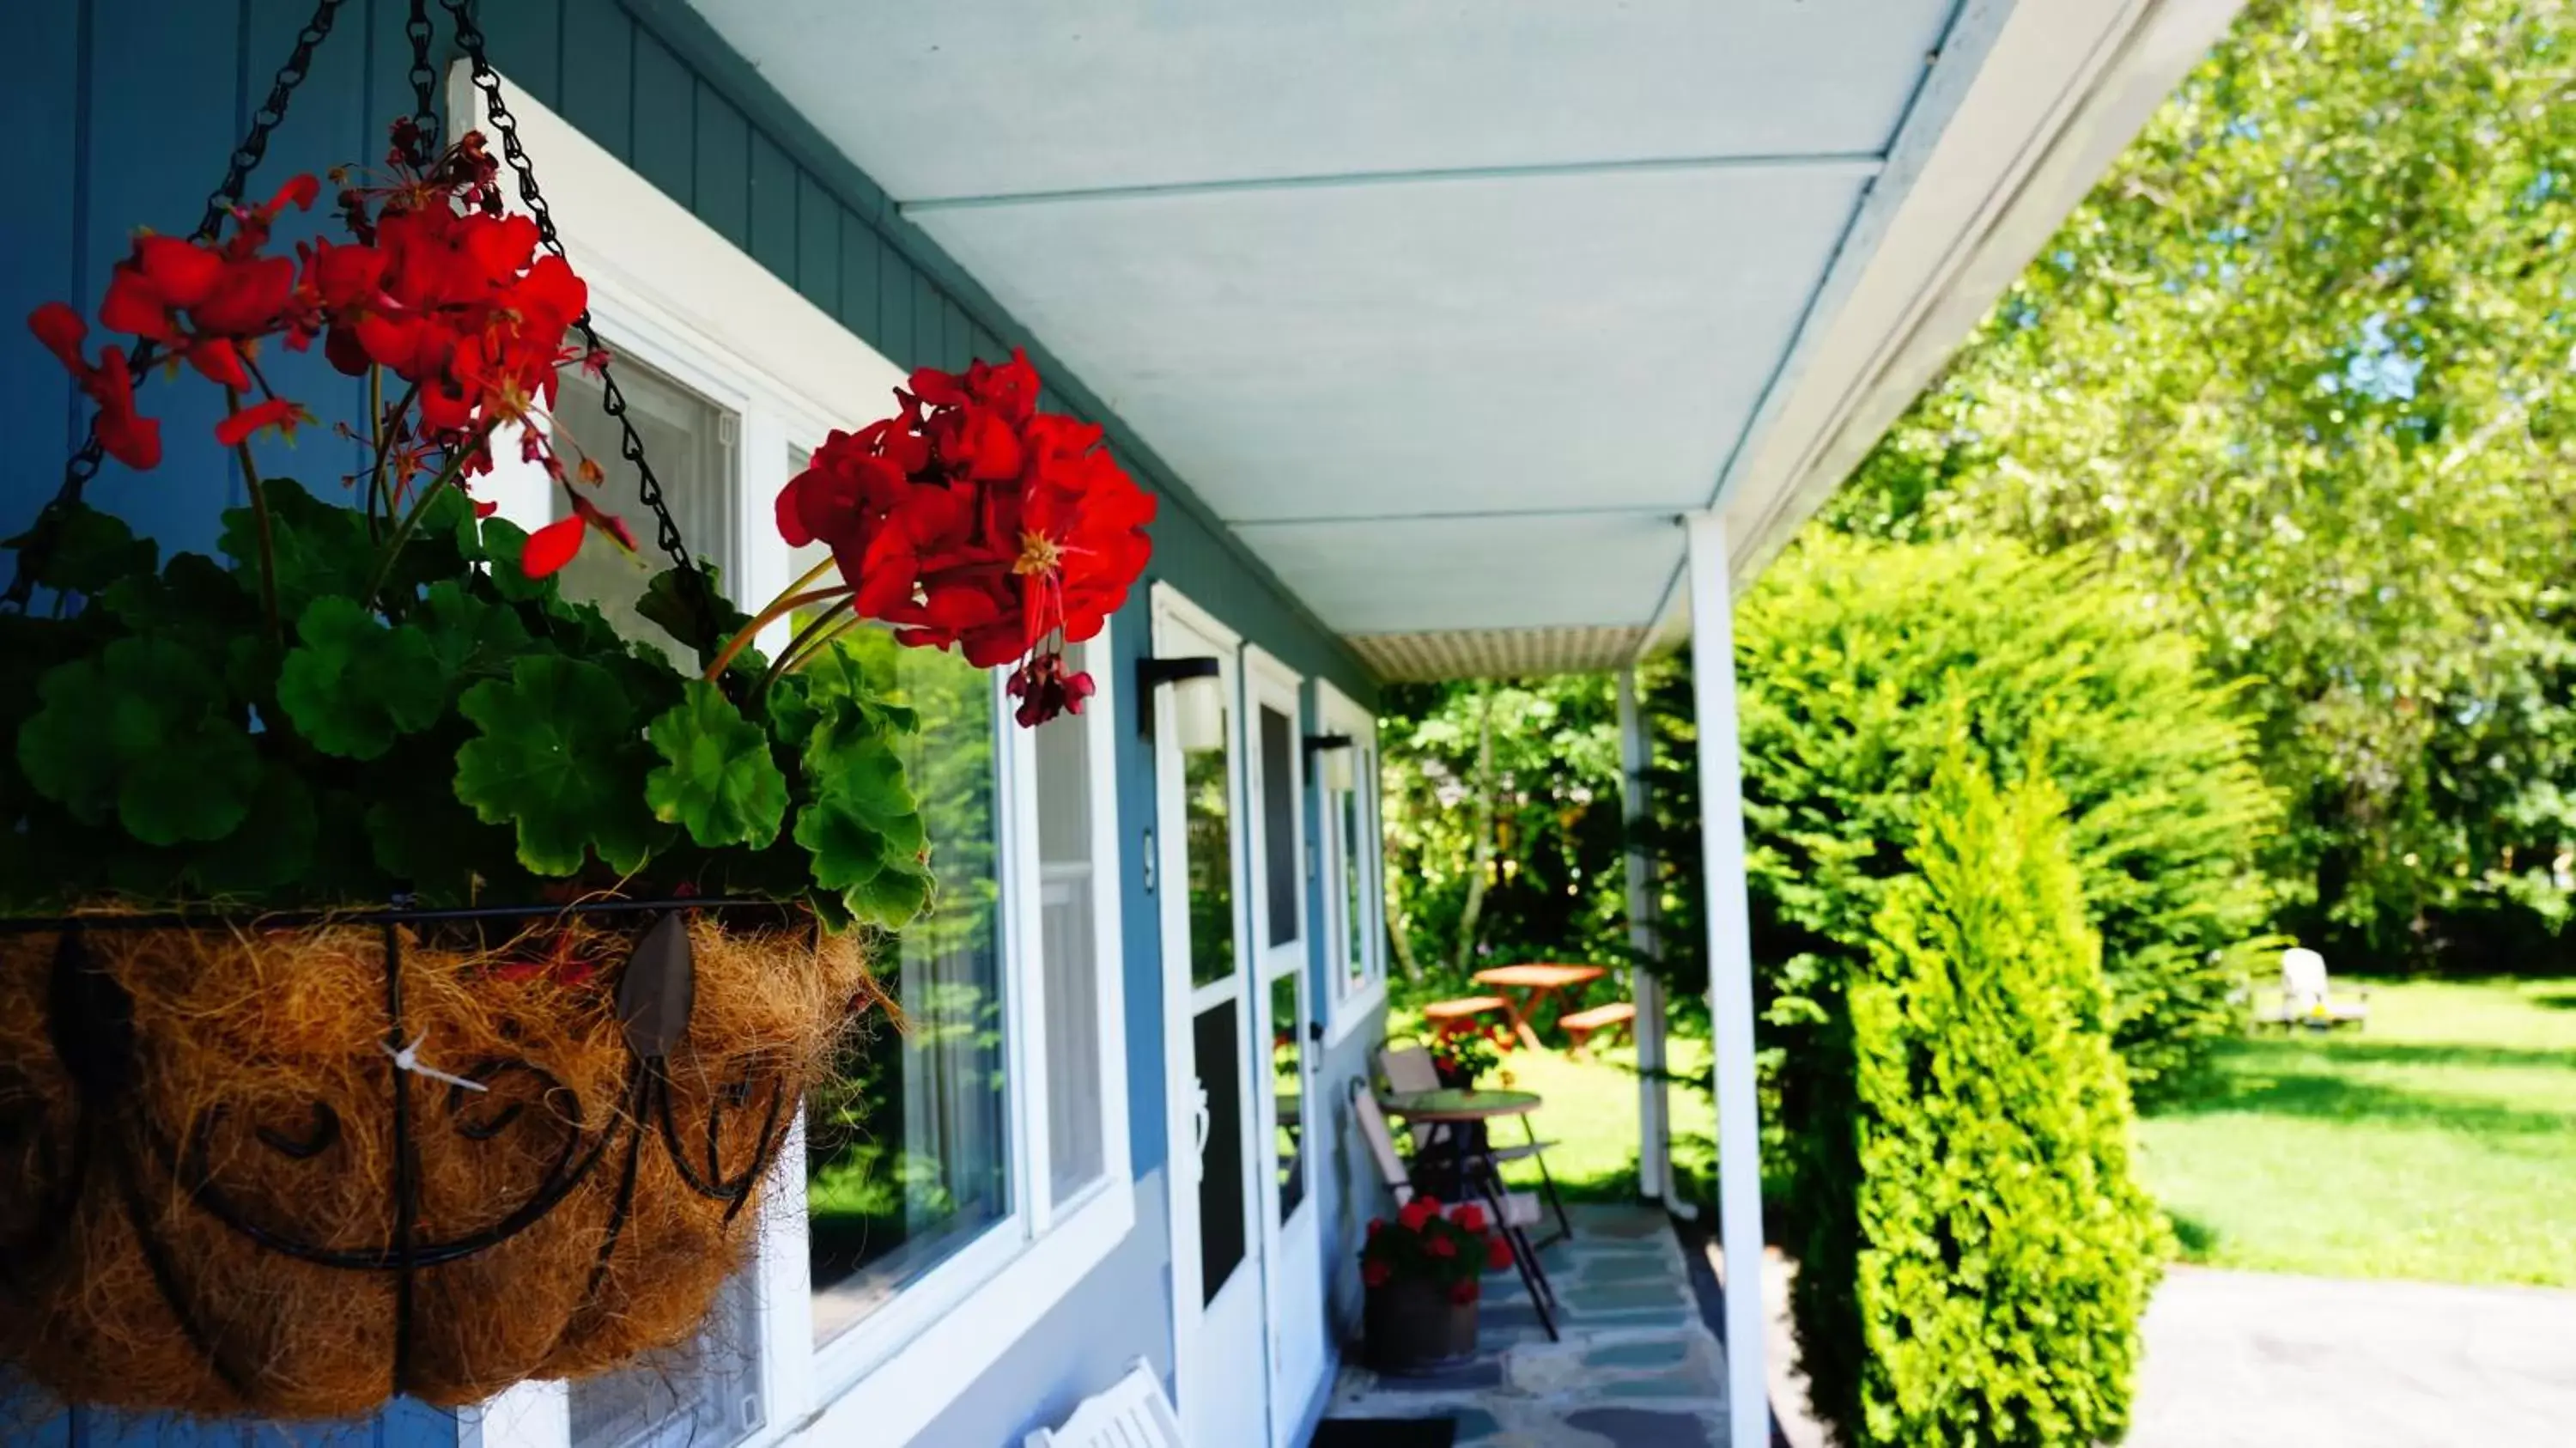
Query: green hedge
[
  {"x": 1858, "y": 660},
  {"x": 2004, "y": 1255}
]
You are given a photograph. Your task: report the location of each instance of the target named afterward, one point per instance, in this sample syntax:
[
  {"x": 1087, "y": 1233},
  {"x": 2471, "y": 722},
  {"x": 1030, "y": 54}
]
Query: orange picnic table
[{"x": 1536, "y": 985}]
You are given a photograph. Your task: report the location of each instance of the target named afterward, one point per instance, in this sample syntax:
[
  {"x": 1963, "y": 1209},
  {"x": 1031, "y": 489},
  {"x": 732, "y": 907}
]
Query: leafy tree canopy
[{"x": 2305, "y": 364}]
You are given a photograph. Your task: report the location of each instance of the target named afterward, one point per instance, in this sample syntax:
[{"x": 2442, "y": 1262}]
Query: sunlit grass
[{"x": 2437, "y": 1143}]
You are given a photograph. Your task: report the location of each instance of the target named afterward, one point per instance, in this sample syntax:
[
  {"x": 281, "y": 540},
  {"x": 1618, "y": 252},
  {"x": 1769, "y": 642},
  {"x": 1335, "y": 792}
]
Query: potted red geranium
[{"x": 1425, "y": 1273}]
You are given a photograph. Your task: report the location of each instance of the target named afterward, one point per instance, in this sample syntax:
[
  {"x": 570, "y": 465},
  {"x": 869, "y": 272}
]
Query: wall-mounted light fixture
[
  {"x": 1198, "y": 699},
  {"x": 1338, "y": 751}
]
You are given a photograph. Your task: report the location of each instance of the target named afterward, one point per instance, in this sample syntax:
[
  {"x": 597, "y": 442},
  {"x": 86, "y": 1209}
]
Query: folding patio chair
[
  {"x": 1513, "y": 1212},
  {"x": 1408, "y": 1068}
]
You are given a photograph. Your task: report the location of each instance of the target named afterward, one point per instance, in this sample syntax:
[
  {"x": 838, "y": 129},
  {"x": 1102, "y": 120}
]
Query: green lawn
[{"x": 2437, "y": 1143}]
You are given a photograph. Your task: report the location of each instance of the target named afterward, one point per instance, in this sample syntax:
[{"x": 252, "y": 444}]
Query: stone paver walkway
[
  {"x": 2248, "y": 1358},
  {"x": 1637, "y": 1367}
]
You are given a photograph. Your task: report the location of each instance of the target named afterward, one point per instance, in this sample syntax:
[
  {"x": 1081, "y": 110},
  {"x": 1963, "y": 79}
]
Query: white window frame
[
  {"x": 684, "y": 300},
  {"x": 1349, "y": 1004}
]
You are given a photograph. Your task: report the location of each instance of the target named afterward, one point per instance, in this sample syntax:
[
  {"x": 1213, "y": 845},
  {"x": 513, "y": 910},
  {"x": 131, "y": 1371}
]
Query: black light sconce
[
  {"x": 1338, "y": 750},
  {"x": 1198, "y": 699}
]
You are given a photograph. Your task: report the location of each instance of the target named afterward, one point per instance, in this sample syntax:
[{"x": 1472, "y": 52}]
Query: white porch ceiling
[{"x": 1449, "y": 312}]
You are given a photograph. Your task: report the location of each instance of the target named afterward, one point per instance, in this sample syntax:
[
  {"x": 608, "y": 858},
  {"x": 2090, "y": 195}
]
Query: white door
[
  {"x": 1292, "y": 1255},
  {"x": 1213, "y": 1008}
]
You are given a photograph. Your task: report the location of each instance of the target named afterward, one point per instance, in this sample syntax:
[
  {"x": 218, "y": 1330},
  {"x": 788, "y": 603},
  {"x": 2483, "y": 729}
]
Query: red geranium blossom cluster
[
  {"x": 1452, "y": 1249},
  {"x": 437, "y": 286},
  {"x": 972, "y": 518}
]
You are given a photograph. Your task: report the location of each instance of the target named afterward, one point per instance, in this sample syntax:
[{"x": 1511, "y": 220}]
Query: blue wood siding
[{"x": 120, "y": 110}]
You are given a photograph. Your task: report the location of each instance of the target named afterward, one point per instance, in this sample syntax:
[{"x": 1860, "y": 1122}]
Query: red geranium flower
[
  {"x": 1417, "y": 1212},
  {"x": 1376, "y": 1273},
  {"x": 1498, "y": 1252},
  {"x": 972, "y": 519},
  {"x": 1471, "y": 1217},
  {"x": 127, "y": 436}
]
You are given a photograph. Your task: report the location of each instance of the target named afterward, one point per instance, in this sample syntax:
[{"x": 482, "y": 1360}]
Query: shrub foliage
[
  {"x": 1860, "y": 664},
  {"x": 1999, "y": 1255}
]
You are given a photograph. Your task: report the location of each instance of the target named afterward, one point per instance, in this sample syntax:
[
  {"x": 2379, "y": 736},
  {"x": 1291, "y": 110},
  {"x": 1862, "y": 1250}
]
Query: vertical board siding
[
  {"x": 723, "y": 198},
  {"x": 773, "y": 207},
  {"x": 818, "y": 244},
  {"x": 598, "y": 72},
  {"x": 526, "y": 37},
  {"x": 665, "y": 106}
]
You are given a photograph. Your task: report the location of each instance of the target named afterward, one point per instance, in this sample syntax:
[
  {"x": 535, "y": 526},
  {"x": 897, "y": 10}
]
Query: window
[
  {"x": 907, "y": 1152},
  {"x": 691, "y": 442},
  {"x": 969, "y": 1170},
  {"x": 1069, "y": 945},
  {"x": 1354, "y": 903}
]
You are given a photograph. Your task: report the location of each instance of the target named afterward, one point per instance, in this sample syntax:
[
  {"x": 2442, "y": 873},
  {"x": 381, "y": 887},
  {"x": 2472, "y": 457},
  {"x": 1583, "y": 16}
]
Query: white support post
[
  {"x": 1654, "y": 1136},
  {"x": 1730, "y": 979}
]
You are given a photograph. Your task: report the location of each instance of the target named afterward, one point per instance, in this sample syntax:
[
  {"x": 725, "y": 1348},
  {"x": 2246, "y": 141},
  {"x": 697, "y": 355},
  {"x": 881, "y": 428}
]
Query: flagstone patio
[{"x": 1637, "y": 1366}]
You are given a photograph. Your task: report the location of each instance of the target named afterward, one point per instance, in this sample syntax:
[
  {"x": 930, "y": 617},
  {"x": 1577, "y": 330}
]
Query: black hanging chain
[
  {"x": 46, "y": 533},
  {"x": 701, "y": 594},
  {"x": 424, "y": 90}
]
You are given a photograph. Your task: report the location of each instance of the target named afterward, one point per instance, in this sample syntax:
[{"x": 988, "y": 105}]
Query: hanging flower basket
[
  {"x": 225, "y": 1197},
  {"x": 406, "y": 980}
]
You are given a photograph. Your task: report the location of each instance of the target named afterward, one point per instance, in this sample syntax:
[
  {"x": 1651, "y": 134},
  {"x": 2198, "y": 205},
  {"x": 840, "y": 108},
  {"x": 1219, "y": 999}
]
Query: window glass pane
[
  {"x": 690, "y": 443},
  {"x": 1279, "y": 822},
  {"x": 1288, "y": 1076},
  {"x": 1208, "y": 841},
  {"x": 907, "y": 1157},
  {"x": 1217, "y": 1045},
  {"x": 1066, "y": 881},
  {"x": 1349, "y": 823}
]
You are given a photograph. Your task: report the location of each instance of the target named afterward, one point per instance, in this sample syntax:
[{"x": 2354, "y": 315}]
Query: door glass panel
[
  {"x": 1066, "y": 880},
  {"x": 1279, "y": 822},
  {"x": 690, "y": 441},
  {"x": 907, "y": 1153},
  {"x": 1209, "y": 841},
  {"x": 1288, "y": 1077},
  {"x": 1218, "y": 1059}
]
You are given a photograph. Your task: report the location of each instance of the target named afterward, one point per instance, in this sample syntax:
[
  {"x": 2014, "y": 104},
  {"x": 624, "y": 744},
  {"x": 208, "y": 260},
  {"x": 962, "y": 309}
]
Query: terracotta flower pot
[{"x": 1414, "y": 1328}]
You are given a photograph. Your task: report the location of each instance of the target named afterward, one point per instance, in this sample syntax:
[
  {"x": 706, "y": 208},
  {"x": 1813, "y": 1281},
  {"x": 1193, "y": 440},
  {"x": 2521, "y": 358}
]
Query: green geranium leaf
[
  {"x": 143, "y": 733},
  {"x": 717, "y": 779},
  {"x": 468, "y": 634},
  {"x": 320, "y": 548},
  {"x": 667, "y": 602},
  {"x": 440, "y": 546},
  {"x": 863, "y": 827},
  {"x": 891, "y": 899},
  {"x": 503, "y": 541},
  {"x": 273, "y": 847},
  {"x": 438, "y": 849},
  {"x": 558, "y": 756},
  {"x": 352, "y": 685},
  {"x": 92, "y": 551}
]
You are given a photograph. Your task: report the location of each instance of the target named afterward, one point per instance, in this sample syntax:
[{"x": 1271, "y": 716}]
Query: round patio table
[
  {"x": 1465, "y": 1113},
  {"x": 1537, "y": 984}
]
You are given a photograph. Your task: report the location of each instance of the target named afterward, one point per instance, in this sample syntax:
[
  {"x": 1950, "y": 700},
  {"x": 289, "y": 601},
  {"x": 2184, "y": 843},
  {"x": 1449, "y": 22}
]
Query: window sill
[
  {"x": 951, "y": 1327},
  {"x": 1352, "y": 1009}
]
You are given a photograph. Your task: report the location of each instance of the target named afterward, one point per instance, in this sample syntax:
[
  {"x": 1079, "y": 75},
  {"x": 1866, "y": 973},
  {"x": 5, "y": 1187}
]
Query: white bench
[{"x": 1131, "y": 1414}]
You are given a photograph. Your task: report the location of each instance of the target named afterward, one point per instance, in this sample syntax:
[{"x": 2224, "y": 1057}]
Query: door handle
[{"x": 1202, "y": 1121}]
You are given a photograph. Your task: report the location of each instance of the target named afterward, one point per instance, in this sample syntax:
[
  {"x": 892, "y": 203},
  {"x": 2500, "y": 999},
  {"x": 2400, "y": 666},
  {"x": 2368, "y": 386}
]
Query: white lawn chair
[
  {"x": 1132, "y": 1414},
  {"x": 2308, "y": 997}
]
